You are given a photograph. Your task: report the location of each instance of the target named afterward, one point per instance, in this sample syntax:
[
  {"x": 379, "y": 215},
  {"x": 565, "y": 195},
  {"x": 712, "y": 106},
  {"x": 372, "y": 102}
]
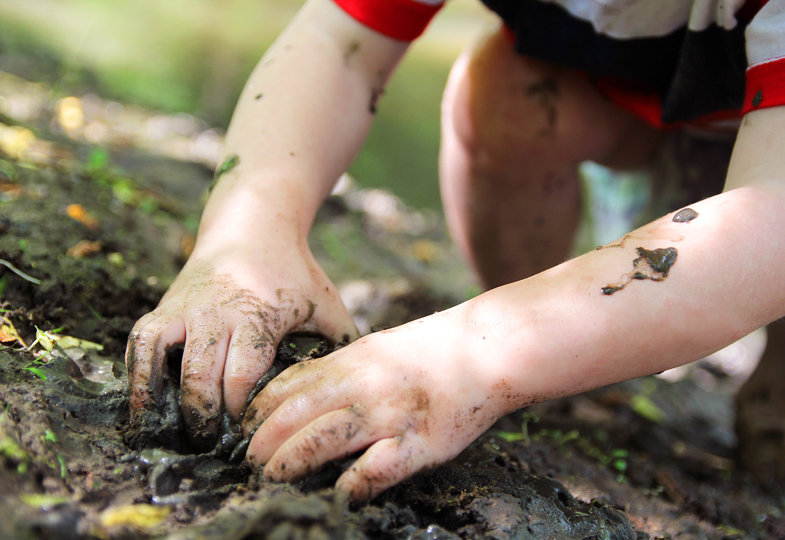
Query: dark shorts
[{"x": 682, "y": 77}]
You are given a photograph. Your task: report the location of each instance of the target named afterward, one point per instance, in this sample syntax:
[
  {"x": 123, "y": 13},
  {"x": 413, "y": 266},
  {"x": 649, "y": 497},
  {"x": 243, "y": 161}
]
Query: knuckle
[
  {"x": 140, "y": 333},
  {"x": 309, "y": 446},
  {"x": 194, "y": 377},
  {"x": 203, "y": 311},
  {"x": 242, "y": 372},
  {"x": 239, "y": 387},
  {"x": 275, "y": 426},
  {"x": 144, "y": 320}
]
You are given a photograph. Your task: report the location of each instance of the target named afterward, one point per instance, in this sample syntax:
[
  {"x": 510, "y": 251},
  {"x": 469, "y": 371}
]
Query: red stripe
[
  {"x": 750, "y": 9},
  {"x": 647, "y": 106},
  {"x": 403, "y": 20},
  {"x": 765, "y": 85}
]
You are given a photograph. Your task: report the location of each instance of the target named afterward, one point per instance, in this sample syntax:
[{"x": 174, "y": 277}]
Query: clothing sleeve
[
  {"x": 403, "y": 20},
  {"x": 765, "y": 39}
]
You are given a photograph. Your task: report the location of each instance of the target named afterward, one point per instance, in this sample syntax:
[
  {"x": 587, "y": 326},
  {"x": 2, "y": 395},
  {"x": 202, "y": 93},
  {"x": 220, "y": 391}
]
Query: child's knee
[
  {"x": 504, "y": 107},
  {"x": 487, "y": 107}
]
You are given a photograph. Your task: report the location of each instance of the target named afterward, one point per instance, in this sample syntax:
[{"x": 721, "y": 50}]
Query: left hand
[{"x": 414, "y": 396}]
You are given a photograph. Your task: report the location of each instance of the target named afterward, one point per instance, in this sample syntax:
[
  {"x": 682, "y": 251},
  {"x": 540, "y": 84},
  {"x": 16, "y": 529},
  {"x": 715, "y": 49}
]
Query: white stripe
[
  {"x": 624, "y": 19},
  {"x": 766, "y": 34}
]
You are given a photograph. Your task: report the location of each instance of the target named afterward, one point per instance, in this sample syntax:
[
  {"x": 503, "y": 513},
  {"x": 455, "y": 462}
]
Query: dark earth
[{"x": 92, "y": 230}]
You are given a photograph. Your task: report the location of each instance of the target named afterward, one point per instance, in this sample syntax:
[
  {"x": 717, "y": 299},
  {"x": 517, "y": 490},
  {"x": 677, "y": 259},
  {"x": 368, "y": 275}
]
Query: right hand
[{"x": 230, "y": 306}]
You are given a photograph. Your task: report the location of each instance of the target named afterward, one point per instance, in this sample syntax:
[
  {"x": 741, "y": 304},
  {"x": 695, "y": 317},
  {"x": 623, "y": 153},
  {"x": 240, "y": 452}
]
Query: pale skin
[{"x": 416, "y": 395}]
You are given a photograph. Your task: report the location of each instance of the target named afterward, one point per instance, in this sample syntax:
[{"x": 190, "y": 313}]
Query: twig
[{"x": 19, "y": 273}]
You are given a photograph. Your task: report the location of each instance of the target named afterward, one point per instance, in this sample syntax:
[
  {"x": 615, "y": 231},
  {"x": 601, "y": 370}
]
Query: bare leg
[{"x": 514, "y": 130}]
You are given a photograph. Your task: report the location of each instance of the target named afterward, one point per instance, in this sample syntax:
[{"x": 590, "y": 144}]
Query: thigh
[{"x": 509, "y": 107}]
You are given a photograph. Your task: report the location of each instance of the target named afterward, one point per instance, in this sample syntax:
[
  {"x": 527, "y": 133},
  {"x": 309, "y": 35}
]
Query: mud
[
  {"x": 376, "y": 95},
  {"x": 229, "y": 163},
  {"x": 351, "y": 50},
  {"x": 685, "y": 215},
  {"x": 75, "y": 464},
  {"x": 546, "y": 92},
  {"x": 650, "y": 264}
]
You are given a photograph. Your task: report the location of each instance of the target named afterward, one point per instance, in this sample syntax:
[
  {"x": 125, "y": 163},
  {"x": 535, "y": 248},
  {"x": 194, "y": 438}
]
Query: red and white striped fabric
[
  {"x": 404, "y": 20},
  {"x": 681, "y": 97}
]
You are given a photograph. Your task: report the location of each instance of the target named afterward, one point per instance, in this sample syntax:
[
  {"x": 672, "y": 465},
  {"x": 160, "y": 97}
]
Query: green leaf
[
  {"x": 42, "y": 500},
  {"x": 645, "y": 407},
  {"x": 63, "y": 467},
  {"x": 70, "y": 342},
  {"x": 38, "y": 373},
  {"x": 509, "y": 436},
  {"x": 227, "y": 165}
]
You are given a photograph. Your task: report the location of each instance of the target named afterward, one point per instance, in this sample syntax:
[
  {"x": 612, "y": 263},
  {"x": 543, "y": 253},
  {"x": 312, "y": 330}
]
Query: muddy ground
[{"x": 95, "y": 219}]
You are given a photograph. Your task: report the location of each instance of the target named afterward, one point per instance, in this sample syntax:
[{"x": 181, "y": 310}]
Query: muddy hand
[
  {"x": 230, "y": 313},
  {"x": 413, "y": 397}
]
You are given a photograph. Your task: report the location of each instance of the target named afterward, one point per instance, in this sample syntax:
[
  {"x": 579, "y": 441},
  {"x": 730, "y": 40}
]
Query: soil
[{"x": 89, "y": 239}]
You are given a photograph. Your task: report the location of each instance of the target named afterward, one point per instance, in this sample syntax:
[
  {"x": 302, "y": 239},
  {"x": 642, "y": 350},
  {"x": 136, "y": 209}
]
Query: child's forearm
[
  {"x": 301, "y": 119},
  {"x": 573, "y": 328}
]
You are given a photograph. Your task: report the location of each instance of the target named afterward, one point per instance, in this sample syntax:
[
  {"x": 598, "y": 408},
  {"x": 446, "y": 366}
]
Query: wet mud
[
  {"x": 74, "y": 463},
  {"x": 650, "y": 264},
  {"x": 685, "y": 215}
]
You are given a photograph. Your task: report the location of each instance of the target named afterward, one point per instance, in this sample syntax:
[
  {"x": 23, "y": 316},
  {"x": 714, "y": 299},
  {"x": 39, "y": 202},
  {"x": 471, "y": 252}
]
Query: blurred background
[{"x": 193, "y": 56}]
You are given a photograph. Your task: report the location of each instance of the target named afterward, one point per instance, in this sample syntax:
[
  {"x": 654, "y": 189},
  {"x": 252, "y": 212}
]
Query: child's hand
[
  {"x": 231, "y": 307},
  {"x": 414, "y": 396}
]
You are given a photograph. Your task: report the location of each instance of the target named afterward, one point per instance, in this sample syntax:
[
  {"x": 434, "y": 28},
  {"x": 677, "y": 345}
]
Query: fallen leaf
[
  {"x": 5, "y": 337},
  {"x": 70, "y": 342},
  {"x": 645, "y": 407},
  {"x": 139, "y": 516},
  {"x": 42, "y": 500},
  {"x": 78, "y": 213},
  {"x": 84, "y": 248},
  {"x": 425, "y": 250},
  {"x": 8, "y": 333},
  {"x": 9, "y": 191}
]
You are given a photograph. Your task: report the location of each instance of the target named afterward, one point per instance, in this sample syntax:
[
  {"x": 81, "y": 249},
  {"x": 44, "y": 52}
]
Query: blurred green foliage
[{"x": 194, "y": 56}]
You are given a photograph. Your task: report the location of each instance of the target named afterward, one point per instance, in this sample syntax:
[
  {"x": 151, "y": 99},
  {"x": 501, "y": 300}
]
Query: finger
[
  {"x": 204, "y": 357},
  {"x": 145, "y": 356},
  {"x": 337, "y": 434},
  {"x": 295, "y": 412},
  {"x": 249, "y": 357},
  {"x": 383, "y": 465},
  {"x": 331, "y": 319},
  {"x": 306, "y": 378}
]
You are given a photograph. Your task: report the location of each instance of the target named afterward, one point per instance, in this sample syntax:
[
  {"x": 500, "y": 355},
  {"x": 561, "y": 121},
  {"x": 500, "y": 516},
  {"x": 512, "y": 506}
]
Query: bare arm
[
  {"x": 251, "y": 278},
  {"x": 302, "y": 117},
  {"x": 418, "y": 394},
  {"x": 725, "y": 282}
]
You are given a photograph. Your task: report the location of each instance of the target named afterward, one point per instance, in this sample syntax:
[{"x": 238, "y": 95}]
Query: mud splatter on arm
[
  {"x": 231, "y": 161},
  {"x": 685, "y": 215},
  {"x": 351, "y": 50},
  {"x": 650, "y": 264}
]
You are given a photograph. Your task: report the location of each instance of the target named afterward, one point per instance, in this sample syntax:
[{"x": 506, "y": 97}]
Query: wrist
[
  {"x": 521, "y": 337},
  {"x": 493, "y": 349},
  {"x": 256, "y": 212}
]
